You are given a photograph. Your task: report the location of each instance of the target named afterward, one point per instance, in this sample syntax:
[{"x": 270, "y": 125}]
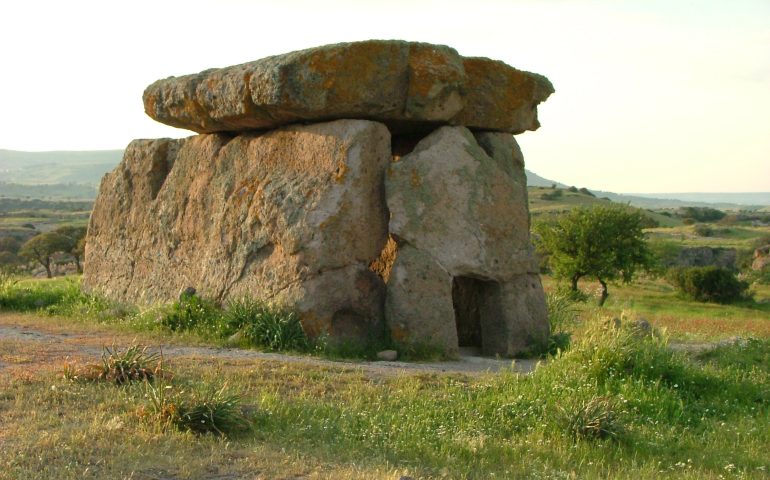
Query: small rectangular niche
[{"x": 479, "y": 321}]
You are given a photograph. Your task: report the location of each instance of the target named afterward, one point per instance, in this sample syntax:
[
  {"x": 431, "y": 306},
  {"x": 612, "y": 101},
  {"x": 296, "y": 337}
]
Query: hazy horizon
[
  {"x": 651, "y": 96},
  {"x": 740, "y": 198}
]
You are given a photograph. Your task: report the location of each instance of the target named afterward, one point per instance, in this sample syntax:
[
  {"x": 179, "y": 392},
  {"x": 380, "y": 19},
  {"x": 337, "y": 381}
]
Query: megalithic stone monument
[{"x": 373, "y": 187}]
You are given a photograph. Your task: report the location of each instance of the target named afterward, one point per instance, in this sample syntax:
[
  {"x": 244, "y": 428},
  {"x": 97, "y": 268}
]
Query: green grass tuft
[
  {"x": 201, "y": 410},
  {"x": 266, "y": 326},
  {"x": 595, "y": 418}
]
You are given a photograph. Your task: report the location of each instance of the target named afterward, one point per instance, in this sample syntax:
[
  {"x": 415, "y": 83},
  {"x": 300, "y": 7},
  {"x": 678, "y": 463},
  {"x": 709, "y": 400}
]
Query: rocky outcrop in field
[{"x": 373, "y": 187}]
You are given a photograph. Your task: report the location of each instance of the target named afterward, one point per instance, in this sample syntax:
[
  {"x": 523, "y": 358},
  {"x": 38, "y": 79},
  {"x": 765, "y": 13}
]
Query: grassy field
[
  {"x": 617, "y": 404},
  {"x": 684, "y": 320},
  {"x": 614, "y": 406},
  {"x": 22, "y": 218},
  {"x": 540, "y": 204},
  {"x": 722, "y": 236}
]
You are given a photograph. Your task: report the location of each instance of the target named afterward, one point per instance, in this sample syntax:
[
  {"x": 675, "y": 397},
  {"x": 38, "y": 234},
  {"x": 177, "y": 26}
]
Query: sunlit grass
[
  {"x": 664, "y": 416},
  {"x": 724, "y": 236},
  {"x": 685, "y": 320}
]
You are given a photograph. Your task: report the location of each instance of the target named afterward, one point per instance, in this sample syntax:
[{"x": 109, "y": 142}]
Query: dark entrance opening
[
  {"x": 466, "y": 299},
  {"x": 479, "y": 320}
]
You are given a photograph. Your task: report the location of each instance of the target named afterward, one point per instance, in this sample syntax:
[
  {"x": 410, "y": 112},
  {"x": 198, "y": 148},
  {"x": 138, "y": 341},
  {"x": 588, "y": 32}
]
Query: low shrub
[
  {"x": 703, "y": 230},
  {"x": 205, "y": 410},
  {"x": 666, "y": 254},
  {"x": 119, "y": 366},
  {"x": 593, "y": 419},
  {"x": 701, "y": 214},
  {"x": 192, "y": 312},
  {"x": 554, "y": 195},
  {"x": 562, "y": 314},
  {"x": 265, "y": 325},
  {"x": 708, "y": 284},
  {"x": 759, "y": 276}
]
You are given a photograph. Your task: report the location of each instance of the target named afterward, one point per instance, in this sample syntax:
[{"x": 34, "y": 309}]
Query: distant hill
[
  {"x": 547, "y": 201},
  {"x": 748, "y": 198},
  {"x": 45, "y": 168},
  {"x": 535, "y": 180},
  {"x": 76, "y": 175},
  {"x": 724, "y": 201},
  {"x": 650, "y": 200},
  {"x": 55, "y": 191}
]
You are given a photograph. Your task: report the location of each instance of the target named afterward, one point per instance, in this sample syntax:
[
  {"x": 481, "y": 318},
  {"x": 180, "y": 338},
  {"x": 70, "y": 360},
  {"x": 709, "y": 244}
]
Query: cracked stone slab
[
  {"x": 293, "y": 216},
  {"x": 408, "y": 86}
]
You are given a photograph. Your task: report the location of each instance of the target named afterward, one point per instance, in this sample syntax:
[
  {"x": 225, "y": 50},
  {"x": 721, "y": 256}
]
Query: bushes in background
[
  {"x": 708, "y": 284},
  {"x": 554, "y": 195},
  {"x": 701, "y": 214}
]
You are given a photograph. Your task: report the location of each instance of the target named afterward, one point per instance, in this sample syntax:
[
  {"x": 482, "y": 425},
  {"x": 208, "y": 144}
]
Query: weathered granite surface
[
  {"x": 459, "y": 216},
  {"x": 293, "y": 216},
  {"x": 406, "y": 85},
  {"x": 402, "y": 205}
]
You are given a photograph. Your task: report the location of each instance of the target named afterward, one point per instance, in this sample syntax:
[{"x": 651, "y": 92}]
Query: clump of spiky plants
[
  {"x": 118, "y": 366},
  {"x": 203, "y": 411},
  {"x": 265, "y": 325},
  {"x": 562, "y": 314},
  {"x": 593, "y": 419},
  {"x": 191, "y": 313}
]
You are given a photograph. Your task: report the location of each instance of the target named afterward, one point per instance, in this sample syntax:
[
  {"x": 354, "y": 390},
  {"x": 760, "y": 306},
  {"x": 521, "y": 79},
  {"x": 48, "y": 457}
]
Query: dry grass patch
[{"x": 706, "y": 328}]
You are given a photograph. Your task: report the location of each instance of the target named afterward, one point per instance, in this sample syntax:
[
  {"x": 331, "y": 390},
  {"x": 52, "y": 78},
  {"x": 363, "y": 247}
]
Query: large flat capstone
[{"x": 408, "y": 86}]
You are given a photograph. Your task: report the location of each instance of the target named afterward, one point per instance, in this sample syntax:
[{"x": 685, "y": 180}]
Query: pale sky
[{"x": 651, "y": 96}]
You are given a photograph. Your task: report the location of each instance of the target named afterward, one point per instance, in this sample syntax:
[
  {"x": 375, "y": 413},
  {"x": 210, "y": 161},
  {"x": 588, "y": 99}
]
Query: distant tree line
[{"x": 42, "y": 248}]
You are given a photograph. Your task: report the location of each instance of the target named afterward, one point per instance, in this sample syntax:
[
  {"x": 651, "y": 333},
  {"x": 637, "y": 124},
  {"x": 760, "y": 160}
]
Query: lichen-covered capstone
[{"x": 408, "y": 86}]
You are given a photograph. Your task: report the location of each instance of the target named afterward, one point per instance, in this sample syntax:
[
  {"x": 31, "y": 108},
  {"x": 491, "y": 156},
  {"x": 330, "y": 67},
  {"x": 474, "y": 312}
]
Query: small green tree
[
  {"x": 605, "y": 242},
  {"x": 76, "y": 243},
  {"x": 41, "y": 247},
  {"x": 9, "y": 262},
  {"x": 9, "y": 244}
]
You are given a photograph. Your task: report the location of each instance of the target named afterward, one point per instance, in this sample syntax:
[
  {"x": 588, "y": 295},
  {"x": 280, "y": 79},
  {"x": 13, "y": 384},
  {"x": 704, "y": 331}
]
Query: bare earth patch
[{"x": 43, "y": 342}]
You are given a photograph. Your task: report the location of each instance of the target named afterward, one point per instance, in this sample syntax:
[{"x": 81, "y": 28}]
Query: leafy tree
[
  {"x": 9, "y": 244},
  {"x": 40, "y": 248},
  {"x": 78, "y": 252},
  {"x": 8, "y": 262},
  {"x": 76, "y": 247},
  {"x": 602, "y": 242}
]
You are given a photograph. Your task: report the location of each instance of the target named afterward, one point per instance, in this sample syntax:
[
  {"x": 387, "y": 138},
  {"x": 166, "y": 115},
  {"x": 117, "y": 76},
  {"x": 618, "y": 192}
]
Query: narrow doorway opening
[
  {"x": 479, "y": 318},
  {"x": 468, "y": 296}
]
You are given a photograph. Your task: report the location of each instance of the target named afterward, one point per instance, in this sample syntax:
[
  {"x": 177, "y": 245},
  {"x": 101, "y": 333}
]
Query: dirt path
[{"x": 52, "y": 342}]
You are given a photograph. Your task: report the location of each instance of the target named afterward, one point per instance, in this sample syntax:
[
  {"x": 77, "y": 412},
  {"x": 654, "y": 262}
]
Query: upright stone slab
[
  {"x": 293, "y": 216},
  {"x": 458, "y": 204}
]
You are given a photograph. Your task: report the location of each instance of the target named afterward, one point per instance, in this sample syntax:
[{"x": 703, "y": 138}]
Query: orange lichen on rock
[{"x": 406, "y": 85}]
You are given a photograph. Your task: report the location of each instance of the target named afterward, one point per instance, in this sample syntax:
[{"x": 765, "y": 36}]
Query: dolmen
[{"x": 375, "y": 188}]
